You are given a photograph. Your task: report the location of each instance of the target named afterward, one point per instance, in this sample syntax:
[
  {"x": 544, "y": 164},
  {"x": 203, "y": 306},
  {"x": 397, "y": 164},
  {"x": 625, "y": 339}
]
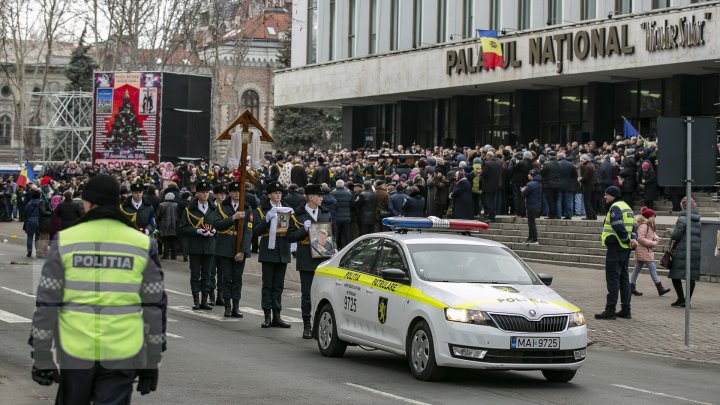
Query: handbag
[{"x": 667, "y": 258}]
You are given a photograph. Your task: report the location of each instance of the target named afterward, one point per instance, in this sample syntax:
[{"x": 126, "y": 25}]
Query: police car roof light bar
[{"x": 434, "y": 224}]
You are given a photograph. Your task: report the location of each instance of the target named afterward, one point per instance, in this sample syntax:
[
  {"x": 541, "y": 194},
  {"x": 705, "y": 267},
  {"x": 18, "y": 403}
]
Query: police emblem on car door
[{"x": 382, "y": 309}]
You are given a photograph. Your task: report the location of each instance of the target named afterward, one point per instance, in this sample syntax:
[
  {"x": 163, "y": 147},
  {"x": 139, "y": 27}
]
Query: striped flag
[
  {"x": 491, "y": 48},
  {"x": 26, "y": 175}
]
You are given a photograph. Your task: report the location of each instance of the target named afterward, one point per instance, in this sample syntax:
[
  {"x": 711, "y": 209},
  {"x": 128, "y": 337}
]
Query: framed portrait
[
  {"x": 283, "y": 220},
  {"x": 322, "y": 242}
]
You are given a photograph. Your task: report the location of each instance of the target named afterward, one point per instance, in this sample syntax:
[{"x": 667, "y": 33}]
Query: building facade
[{"x": 411, "y": 71}]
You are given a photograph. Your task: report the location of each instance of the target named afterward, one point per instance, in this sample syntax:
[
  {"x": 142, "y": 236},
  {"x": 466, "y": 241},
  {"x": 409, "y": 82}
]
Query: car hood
[{"x": 502, "y": 298}]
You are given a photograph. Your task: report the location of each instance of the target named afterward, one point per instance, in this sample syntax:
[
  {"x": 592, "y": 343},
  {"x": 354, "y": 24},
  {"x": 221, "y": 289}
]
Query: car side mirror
[
  {"x": 545, "y": 278},
  {"x": 395, "y": 275}
]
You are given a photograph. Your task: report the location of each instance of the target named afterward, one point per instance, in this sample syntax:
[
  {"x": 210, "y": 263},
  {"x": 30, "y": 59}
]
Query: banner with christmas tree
[{"x": 126, "y": 124}]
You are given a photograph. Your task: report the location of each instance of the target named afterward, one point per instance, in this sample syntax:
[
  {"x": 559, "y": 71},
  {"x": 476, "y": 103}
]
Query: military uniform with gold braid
[
  {"x": 226, "y": 250},
  {"x": 197, "y": 227},
  {"x": 220, "y": 191},
  {"x": 138, "y": 212}
]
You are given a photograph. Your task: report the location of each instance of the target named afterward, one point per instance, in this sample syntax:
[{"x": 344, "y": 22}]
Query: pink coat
[{"x": 646, "y": 244}]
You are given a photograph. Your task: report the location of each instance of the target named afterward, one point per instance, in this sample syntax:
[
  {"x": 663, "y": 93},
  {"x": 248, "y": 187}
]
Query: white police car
[{"x": 445, "y": 300}]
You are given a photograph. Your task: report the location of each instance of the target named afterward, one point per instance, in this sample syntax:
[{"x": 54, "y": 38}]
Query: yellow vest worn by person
[
  {"x": 100, "y": 317},
  {"x": 628, "y": 220}
]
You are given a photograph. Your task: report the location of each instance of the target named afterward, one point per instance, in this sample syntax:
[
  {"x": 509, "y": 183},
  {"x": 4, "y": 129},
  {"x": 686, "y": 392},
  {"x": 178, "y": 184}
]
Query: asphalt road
[{"x": 219, "y": 361}]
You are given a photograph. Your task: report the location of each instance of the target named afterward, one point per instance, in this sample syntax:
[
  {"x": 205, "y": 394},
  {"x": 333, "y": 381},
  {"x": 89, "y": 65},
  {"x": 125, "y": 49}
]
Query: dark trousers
[
  {"x": 552, "y": 196},
  {"x": 306, "y": 280},
  {"x": 343, "y": 234},
  {"x": 519, "y": 202},
  {"x": 98, "y": 384},
  {"x": 273, "y": 282},
  {"x": 169, "y": 243},
  {"x": 30, "y": 238},
  {"x": 589, "y": 204},
  {"x": 677, "y": 285},
  {"x": 231, "y": 278},
  {"x": 200, "y": 273},
  {"x": 490, "y": 203},
  {"x": 617, "y": 278},
  {"x": 366, "y": 229},
  {"x": 216, "y": 272},
  {"x": 532, "y": 215},
  {"x": 628, "y": 198}
]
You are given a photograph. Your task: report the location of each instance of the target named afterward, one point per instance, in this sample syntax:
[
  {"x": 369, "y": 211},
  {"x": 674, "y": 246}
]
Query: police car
[{"x": 445, "y": 299}]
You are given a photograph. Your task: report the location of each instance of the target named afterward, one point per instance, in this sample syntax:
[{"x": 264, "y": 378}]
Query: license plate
[{"x": 520, "y": 342}]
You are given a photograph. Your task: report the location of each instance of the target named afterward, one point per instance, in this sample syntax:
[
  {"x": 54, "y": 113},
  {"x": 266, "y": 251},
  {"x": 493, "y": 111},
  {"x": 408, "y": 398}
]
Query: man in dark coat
[
  {"x": 414, "y": 205},
  {"x": 397, "y": 200},
  {"x": 532, "y": 194},
  {"x": 587, "y": 180},
  {"x": 491, "y": 179},
  {"x": 628, "y": 173},
  {"x": 461, "y": 197},
  {"x": 366, "y": 203},
  {"x": 321, "y": 174},
  {"x": 568, "y": 185},
  {"x": 138, "y": 211},
  {"x": 197, "y": 227},
  {"x": 274, "y": 253},
  {"x": 294, "y": 199},
  {"x": 231, "y": 261},
  {"x": 298, "y": 175},
  {"x": 343, "y": 198},
  {"x": 520, "y": 172},
  {"x": 220, "y": 191},
  {"x": 311, "y": 213},
  {"x": 167, "y": 221},
  {"x": 550, "y": 173}
]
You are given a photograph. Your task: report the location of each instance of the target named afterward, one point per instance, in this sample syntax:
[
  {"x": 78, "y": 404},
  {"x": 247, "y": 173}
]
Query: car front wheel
[
  {"x": 328, "y": 342},
  {"x": 559, "y": 376},
  {"x": 421, "y": 354}
]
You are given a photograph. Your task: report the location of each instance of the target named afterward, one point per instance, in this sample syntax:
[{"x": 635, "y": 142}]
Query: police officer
[
  {"x": 311, "y": 213},
  {"x": 138, "y": 211},
  {"x": 230, "y": 261},
  {"x": 619, "y": 238},
  {"x": 274, "y": 253},
  {"x": 219, "y": 192},
  {"x": 196, "y": 224},
  {"x": 101, "y": 303}
]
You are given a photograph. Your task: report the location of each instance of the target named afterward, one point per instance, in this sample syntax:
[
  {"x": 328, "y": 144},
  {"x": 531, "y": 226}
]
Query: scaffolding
[{"x": 66, "y": 134}]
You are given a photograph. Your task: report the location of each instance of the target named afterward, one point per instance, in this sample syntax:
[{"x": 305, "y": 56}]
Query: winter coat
[
  {"x": 520, "y": 172},
  {"x": 551, "y": 174},
  {"x": 189, "y": 224},
  {"x": 491, "y": 177},
  {"x": 167, "y": 218},
  {"x": 679, "y": 233},
  {"x": 533, "y": 193},
  {"x": 648, "y": 185},
  {"x": 298, "y": 176},
  {"x": 366, "y": 203},
  {"x": 463, "y": 200},
  {"x": 383, "y": 201},
  {"x": 628, "y": 172},
  {"x": 588, "y": 177},
  {"x": 320, "y": 175},
  {"x": 414, "y": 206},
  {"x": 294, "y": 200},
  {"x": 32, "y": 217},
  {"x": 45, "y": 216},
  {"x": 646, "y": 243},
  {"x": 397, "y": 199},
  {"x": 441, "y": 192},
  {"x": 343, "y": 198},
  {"x": 330, "y": 203},
  {"x": 68, "y": 212},
  {"x": 568, "y": 176}
]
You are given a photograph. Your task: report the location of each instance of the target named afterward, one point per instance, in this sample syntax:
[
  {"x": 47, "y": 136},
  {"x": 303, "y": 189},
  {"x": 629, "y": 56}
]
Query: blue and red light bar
[{"x": 434, "y": 223}]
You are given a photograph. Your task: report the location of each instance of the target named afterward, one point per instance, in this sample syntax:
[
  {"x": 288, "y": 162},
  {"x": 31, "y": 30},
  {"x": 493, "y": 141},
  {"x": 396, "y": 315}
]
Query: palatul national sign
[{"x": 597, "y": 42}]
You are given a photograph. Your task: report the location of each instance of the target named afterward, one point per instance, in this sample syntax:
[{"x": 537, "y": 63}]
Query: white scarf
[{"x": 273, "y": 225}]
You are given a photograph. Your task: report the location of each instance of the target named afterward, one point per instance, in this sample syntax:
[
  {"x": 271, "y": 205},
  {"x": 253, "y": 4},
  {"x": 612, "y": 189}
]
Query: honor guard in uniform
[
  {"x": 230, "y": 261},
  {"x": 138, "y": 212},
  {"x": 101, "y": 303},
  {"x": 220, "y": 192},
  {"x": 197, "y": 226},
  {"x": 311, "y": 213},
  {"x": 274, "y": 252}
]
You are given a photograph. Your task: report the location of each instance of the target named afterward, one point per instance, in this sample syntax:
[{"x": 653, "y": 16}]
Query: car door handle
[
  {"x": 338, "y": 282},
  {"x": 369, "y": 291}
]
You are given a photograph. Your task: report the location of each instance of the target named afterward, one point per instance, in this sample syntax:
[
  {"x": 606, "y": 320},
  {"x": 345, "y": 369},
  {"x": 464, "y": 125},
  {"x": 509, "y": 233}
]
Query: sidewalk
[{"x": 656, "y": 327}]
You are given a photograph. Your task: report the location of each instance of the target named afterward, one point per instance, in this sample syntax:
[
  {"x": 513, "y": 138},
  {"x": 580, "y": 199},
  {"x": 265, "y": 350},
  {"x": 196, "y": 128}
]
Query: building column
[
  {"x": 525, "y": 116},
  {"x": 601, "y": 111}
]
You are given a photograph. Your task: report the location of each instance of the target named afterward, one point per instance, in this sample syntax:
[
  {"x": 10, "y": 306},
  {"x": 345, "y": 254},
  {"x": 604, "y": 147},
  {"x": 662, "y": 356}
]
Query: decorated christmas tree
[{"x": 126, "y": 130}]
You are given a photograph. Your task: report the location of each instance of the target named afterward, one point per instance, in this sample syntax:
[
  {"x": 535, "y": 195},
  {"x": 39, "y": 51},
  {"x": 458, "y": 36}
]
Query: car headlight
[
  {"x": 465, "y": 316},
  {"x": 576, "y": 319}
]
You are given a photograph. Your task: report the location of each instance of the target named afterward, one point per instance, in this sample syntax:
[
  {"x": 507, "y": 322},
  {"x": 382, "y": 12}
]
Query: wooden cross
[{"x": 246, "y": 119}]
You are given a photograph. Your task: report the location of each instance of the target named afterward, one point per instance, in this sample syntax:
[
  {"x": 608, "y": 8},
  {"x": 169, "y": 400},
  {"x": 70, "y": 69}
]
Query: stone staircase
[{"x": 708, "y": 205}]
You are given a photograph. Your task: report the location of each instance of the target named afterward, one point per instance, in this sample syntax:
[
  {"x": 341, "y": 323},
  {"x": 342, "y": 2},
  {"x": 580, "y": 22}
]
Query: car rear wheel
[
  {"x": 421, "y": 354},
  {"x": 328, "y": 342},
  {"x": 559, "y": 376}
]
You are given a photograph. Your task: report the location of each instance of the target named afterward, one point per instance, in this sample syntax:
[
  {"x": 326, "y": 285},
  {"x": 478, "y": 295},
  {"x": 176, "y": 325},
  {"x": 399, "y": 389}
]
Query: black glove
[
  {"x": 44, "y": 371},
  {"x": 147, "y": 380}
]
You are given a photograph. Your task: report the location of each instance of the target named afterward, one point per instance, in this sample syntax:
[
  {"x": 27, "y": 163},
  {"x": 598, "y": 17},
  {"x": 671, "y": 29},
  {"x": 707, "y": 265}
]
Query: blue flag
[
  {"x": 30, "y": 174},
  {"x": 628, "y": 129}
]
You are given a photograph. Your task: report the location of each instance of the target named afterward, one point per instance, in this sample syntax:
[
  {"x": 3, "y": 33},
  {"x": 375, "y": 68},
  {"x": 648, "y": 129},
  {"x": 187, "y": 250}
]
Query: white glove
[
  {"x": 271, "y": 214},
  {"x": 306, "y": 224},
  {"x": 200, "y": 231},
  {"x": 147, "y": 232},
  {"x": 212, "y": 232}
]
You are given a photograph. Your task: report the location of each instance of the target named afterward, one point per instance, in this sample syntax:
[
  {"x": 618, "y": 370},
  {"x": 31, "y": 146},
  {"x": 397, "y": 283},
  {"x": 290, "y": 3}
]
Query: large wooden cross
[{"x": 246, "y": 119}]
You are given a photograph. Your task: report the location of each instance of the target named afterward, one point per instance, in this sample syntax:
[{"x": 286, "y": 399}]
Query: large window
[
  {"x": 251, "y": 101},
  {"x": 5, "y": 130},
  {"x": 312, "y": 32},
  {"x": 394, "y": 21},
  {"x": 351, "y": 28},
  {"x": 372, "y": 47},
  {"x": 442, "y": 20},
  {"x": 523, "y": 22},
  {"x": 562, "y": 115},
  {"x": 468, "y": 31},
  {"x": 588, "y": 9},
  {"x": 623, "y": 6},
  {"x": 660, "y": 4},
  {"x": 331, "y": 37},
  {"x": 417, "y": 23},
  {"x": 554, "y": 12},
  {"x": 495, "y": 15},
  {"x": 493, "y": 119}
]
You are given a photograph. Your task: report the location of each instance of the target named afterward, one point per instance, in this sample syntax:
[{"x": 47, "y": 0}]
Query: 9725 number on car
[{"x": 350, "y": 303}]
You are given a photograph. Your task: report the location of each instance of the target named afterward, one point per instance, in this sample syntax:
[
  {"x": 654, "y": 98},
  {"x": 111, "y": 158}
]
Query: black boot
[
  {"x": 236, "y": 309},
  {"x": 608, "y": 313},
  {"x": 267, "y": 323},
  {"x": 228, "y": 312},
  {"x": 634, "y": 291},
  {"x": 211, "y": 298},
  {"x": 277, "y": 321},
  {"x": 679, "y": 303},
  {"x": 204, "y": 302},
  {"x": 307, "y": 328},
  {"x": 219, "y": 300},
  {"x": 661, "y": 290},
  {"x": 196, "y": 301},
  {"x": 624, "y": 313}
]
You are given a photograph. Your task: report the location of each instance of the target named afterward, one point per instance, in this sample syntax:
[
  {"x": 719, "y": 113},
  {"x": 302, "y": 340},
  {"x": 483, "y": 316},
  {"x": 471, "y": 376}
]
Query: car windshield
[{"x": 470, "y": 264}]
